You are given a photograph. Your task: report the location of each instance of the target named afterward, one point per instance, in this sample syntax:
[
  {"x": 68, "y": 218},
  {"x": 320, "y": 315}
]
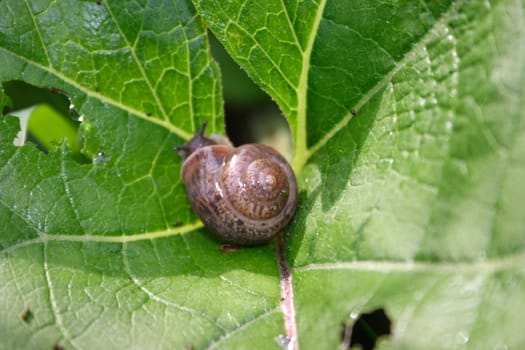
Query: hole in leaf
[
  {"x": 58, "y": 347},
  {"x": 47, "y": 117},
  {"x": 364, "y": 332},
  {"x": 27, "y": 316},
  {"x": 250, "y": 114}
]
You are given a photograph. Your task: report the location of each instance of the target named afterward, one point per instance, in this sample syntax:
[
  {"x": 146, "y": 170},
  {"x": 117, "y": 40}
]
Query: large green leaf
[{"x": 414, "y": 205}]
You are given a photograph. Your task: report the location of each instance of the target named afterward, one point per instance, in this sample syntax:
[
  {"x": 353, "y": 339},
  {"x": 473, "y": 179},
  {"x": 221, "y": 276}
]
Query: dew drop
[
  {"x": 100, "y": 158},
  {"x": 72, "y": 109},
  {"x": 462, "y": 338}
]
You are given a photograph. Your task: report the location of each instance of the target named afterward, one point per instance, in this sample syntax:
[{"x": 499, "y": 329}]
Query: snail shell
[{"x": 244, "y": 195}]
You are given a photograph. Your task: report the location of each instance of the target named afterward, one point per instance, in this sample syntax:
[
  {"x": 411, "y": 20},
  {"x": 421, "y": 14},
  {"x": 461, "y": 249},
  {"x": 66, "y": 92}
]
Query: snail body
[{"x": 244, "y": 195}]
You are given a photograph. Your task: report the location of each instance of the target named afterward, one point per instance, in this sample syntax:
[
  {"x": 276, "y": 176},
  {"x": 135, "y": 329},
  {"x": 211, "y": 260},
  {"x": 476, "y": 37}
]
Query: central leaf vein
[{"x": 437, "y": 27}]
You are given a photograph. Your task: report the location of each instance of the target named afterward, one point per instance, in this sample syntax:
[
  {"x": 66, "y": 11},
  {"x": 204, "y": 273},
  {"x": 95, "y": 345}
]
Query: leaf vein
[
  {"x": 441, "y": 23},
  {"x": 140, "y": 114},
  {"x": 139, "y": 66},
  {"x": 52, "y": 300},
  {"x": 156, "y": 298},
  {"x": 217, "y": 342},
  {"x": 490, "y": 265},
  {"x": 301, "y": 153},
  {"x": 37, "y": 29}
]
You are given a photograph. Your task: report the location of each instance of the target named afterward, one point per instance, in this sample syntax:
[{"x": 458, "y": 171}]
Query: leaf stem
[{"x": 287, "y": 304}]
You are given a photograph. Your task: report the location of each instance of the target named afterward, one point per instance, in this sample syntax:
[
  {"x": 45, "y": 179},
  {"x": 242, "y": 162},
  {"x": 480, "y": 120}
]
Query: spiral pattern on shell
[
  {"x": 255, "y": 182},
  {"x": 244, "y": 195}
]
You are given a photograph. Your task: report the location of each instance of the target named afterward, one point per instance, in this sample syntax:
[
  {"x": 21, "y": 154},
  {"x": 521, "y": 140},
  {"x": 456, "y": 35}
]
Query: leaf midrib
[
  {"x": 301, "y": 148},
  {"x": 491, "y": 265},
  {"x": 308, "y": 152}
]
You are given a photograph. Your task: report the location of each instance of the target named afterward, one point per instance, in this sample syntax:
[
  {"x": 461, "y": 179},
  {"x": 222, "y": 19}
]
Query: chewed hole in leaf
[
  {"x": 47, "y": 117},
  {"x": 364, "y": 331},
  {"x": 27, "y": 316},
  {"x": 58, "y": 346}
]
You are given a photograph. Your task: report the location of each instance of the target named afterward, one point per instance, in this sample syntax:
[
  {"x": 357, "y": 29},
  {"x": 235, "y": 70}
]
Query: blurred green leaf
[
  {"x": 50, "y": 128},
  {"x": 414, "y": 205}
]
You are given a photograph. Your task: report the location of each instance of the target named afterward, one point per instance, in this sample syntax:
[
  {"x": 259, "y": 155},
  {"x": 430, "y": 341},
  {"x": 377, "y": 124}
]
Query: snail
[{"x": 244, "y": 195}]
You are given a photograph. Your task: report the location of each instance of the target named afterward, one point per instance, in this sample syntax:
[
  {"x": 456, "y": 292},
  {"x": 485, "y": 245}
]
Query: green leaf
[
  {"x": 414, "y": 205},
  {"x": 89, "y": 250}
]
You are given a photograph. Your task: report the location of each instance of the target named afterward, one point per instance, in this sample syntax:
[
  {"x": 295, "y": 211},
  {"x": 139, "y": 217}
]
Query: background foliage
[{"x": 414, "y": 205}]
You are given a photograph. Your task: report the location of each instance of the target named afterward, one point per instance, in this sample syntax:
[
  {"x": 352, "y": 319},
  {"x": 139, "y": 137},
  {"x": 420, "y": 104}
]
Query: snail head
[{"x": 198, "y": 141}]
